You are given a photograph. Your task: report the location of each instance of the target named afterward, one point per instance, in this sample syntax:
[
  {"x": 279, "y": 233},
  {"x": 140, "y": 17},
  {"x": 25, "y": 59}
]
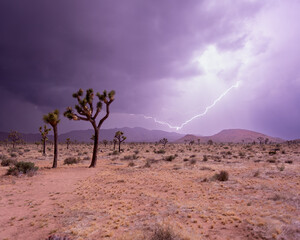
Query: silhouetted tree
[
  {"x": 85, "y": 110},
  {"x": 52, "y": 118},
  {"x": 44, "y": 134},
  {"x": 198, "y": 141},
  {"x": 210, "y": 142},
  {"x": 191, "y": 142},
  {"x": 119, "y": 136},
  {"x": 105, "y": 142},
  {"x": 68, "y": 141},
  {"x": 163, "y": 141},
  {"x": 14, "y": 137},
  {"x": 261, "y": 140}
]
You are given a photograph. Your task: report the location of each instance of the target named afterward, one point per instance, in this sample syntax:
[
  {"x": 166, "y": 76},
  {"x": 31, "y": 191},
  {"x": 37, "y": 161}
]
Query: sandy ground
[{"x": 124, "y": 199}]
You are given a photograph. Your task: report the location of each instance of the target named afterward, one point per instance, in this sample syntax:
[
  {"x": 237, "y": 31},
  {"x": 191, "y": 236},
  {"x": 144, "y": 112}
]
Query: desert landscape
[
  {"x": 149, "y": 120},
  {"x": 148, "y": 191}
]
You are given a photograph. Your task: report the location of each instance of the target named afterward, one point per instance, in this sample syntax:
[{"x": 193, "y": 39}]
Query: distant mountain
[
  {"x": 231, "y": 135},
  {"x": 136, "y": 134}
]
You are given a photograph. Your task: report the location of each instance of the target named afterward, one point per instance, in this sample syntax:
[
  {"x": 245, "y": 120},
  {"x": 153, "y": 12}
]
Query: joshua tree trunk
[
  {"x": 95, "y": 150},
  {"x": 55, "y": 147},
  {"x": 119, "y": 146},
  {"x": 44, "y": 147}
]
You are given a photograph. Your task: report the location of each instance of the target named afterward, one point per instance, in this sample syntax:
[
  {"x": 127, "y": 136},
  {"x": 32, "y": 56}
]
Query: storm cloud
[{"x": 169, "y": 59}]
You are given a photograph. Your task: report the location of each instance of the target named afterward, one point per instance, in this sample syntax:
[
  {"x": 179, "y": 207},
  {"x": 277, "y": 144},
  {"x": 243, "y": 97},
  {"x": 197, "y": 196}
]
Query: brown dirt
[{"x": 261, "y": 199}]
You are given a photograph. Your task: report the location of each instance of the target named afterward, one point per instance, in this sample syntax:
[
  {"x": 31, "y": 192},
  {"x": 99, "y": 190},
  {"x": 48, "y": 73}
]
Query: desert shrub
[
  {"x": 147, "y": 164},
  {"x": 193, "y": 161},
  {"x": 161, "y": 151},
  {"x": 185, "y": 159},
  {"x": 205, "y": 158},
  {"x": 22, "y": 168},
  {"x": 192, "y": 156},
  {"x": 272, "y": 152},
  {"x": 130, "y": 157},
  {"x": 8, "y": 162},
  {"x": 131, "y": 164},
  {"x": 256, "y": 174},
  {"x": 271, "y": 160},
  {"x": 58, "y": 237},
  {"x": 164, "y": 233},
  {"x": 170, "y": 158},
  {"x": 136, "y": 152},
  {"x": 288, "y": 161},
  {"x": 27, "y": 150},
  {"x": 222, "y": 176},
  {"x": 242, "y": 154},
  {"x": 86, "y": 158},
  {"x": 71, "y": 160},
  {"x": 2, "y": 156},
  {"x": 13, "y": 155}
]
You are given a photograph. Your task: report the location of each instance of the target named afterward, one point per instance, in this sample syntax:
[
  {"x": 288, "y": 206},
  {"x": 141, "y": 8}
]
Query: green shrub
[
  {"x": 222, "y": 176},
  {"x": 22, "y": 168},
  {"x": 8, "y": 162},
  {"x": 71, "y": 160}
]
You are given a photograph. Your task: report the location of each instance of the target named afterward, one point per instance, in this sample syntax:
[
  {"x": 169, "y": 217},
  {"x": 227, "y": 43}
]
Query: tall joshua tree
[
  {"x": 52, "y": 118},
  {"x": 120, "y": 138},
  {"x": 44, "y": 134},
  {"x": 85, "y": 112}
]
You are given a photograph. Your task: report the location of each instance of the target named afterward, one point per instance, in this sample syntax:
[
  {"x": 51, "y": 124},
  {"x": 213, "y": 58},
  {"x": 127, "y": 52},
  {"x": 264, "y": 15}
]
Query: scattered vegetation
[
  {"x": 8, "y": 162},
  {"x": 71, "y": 160},
  {"x": 19, "y": 168}
]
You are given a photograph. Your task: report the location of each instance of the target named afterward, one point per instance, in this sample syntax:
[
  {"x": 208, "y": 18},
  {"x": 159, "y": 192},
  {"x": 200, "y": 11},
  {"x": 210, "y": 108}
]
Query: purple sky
[{"x": 166, "y": 59}]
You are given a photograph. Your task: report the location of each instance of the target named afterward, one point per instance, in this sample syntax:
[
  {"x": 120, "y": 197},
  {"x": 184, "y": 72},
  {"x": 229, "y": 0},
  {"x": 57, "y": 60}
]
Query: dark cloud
[{"x": 47, "y": 46}]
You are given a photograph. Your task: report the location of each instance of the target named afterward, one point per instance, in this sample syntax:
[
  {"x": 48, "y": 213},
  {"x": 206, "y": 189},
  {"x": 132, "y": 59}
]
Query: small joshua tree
[
  {"x": 68, "y": 141},
  {"x": 14, "y": 137},
  {"x": 105, "y": 142},
  {"x": 119, "y": 136},
  {"x": 44, "y": 134},
  {"x": 85, "y": 110},
  {"x": 163, "y": 141},
  {"x": 52, "y": 118}
]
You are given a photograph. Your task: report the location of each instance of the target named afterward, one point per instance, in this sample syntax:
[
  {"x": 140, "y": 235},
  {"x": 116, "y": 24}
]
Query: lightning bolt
[{"x": 196, "y": 116}]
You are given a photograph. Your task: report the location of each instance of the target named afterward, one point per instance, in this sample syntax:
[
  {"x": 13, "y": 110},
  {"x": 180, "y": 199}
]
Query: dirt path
[{"x": 30, "y": 206}]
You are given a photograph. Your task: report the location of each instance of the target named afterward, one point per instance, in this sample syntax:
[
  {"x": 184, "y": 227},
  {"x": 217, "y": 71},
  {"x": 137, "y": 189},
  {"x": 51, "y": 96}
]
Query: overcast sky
[{"x": 167, "y": 59}]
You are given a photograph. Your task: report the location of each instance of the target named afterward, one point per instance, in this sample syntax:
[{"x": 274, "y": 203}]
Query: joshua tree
[
  {"x": 191, "y": 142},
  {"x": 52, "y": 118},
  {"x": 14, "y": 137},
  {"x": 198, "y": 141},
  {"x": 120, "y": 138},
  {"x": 163, "y": 141},
  {"x": 68, "y": 141},
  {"x": 85, "y": 112},
  {"x": 105, "y": 142},
  {"x": 261, "y": 140},
  {"x": 44, "y": 137},
  {"x": 210, "y": 142}
]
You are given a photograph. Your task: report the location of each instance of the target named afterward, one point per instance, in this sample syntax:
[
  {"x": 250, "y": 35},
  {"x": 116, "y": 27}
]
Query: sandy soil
[{"x": 125, "y": 199}]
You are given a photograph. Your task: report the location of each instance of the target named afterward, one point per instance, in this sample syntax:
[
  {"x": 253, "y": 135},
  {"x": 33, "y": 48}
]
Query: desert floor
[{"x": 129, "y": 195}]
